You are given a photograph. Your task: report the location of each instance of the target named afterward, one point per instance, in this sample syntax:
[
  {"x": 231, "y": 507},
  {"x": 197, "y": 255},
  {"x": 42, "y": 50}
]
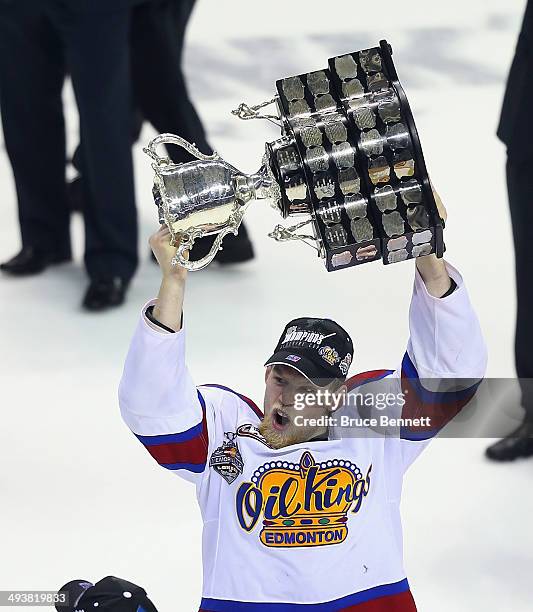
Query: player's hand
[
  {"x": 432, "y": 269},
  {"x": 164, "y": 253},
  {"x": 440, "y": 206}
]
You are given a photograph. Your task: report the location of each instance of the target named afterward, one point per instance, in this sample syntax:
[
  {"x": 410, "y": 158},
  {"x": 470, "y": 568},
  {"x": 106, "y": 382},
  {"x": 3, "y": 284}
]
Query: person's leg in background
[
  {"x": 514, "y": 130},
  {"x": 98, "y": 59},
  {"x": 165, "y": 14},
  {"x": 75, "y": 188},
  {"x": 519, "y": 443},
  {"x": 157, "y": 37},
  {"x": 31, "y": 80},
  {"x": 520, "y": 189}
]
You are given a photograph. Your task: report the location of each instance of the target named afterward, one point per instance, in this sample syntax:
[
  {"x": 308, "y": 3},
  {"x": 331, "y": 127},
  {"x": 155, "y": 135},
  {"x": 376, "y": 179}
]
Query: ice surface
[{"x": 81, "y": 498}]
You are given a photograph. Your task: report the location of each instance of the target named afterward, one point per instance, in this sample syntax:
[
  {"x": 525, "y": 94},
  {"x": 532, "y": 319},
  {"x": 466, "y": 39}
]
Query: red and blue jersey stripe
[
  {"x": 440, "y": 407},
  {"x": 185, "y": 450},
  {"x": 366, "y": 377},
  {"x": 394, "y": 597}
]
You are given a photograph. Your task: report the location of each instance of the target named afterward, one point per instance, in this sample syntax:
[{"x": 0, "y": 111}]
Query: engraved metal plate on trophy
[{"x": 349, "y": 162}]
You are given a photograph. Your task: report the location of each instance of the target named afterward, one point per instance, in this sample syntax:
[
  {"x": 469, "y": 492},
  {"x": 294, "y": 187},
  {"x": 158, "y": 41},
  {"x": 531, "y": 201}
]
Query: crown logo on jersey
[{"x": 305, "y": 504}]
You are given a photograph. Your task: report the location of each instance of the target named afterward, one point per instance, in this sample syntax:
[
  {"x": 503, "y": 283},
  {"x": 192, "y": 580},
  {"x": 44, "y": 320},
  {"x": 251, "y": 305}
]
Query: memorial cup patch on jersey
[
  {"x": 227, "y": 459},
  {"x": 305, "y": 504}
]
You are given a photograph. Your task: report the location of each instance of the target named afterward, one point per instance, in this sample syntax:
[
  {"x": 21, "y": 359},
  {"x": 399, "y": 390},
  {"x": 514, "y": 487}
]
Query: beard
[{"x": 276, "y": 438}]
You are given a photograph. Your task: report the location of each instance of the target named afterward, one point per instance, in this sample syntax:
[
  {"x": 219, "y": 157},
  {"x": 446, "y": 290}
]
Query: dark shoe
[
  {"x": 75, "y": 196},
  {"x": 32, "y": 260},
  {"x": 517, "y": 444},
  {"x": 105, "y": 293}
]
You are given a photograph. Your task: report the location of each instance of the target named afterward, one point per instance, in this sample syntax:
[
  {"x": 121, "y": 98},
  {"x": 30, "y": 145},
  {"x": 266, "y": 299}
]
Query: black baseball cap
[
  {"x": 111, "y": 594},
  {"x": 320, "y": 349},
  {"x": 73, "y": 591}
]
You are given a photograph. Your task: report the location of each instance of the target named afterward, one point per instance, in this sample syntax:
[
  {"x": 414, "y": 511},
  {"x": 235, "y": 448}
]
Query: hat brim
[{"x": 319, "y": 377}]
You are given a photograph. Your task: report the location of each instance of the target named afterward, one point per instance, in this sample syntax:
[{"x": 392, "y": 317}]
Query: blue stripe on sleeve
[
  {"x": 433, "y": 397},
  {"x": 191, "y": 467},
  {"x": 182, "y": 436}
]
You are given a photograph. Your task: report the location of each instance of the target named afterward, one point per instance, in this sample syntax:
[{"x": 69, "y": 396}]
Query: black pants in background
[
  {"x": 38, "y": 46},
  {"x": 515, "y": 131},
  {"x": 520, "y": 191},
  {"x": 160, "y": 94},
  {"x": 157, "y": 37}
]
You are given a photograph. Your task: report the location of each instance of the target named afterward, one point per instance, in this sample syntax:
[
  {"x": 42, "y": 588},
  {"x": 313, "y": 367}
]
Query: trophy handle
[
  {"x": 247, "y": 112},
  {"x": 187, "y": 242},
  {"x": 191, "y": 148},
  {"x": 284, "y": 234}
]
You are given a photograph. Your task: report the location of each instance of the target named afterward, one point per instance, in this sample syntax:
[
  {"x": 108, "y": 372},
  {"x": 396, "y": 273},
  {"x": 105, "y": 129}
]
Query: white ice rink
[{"x": 79, "y": 496}]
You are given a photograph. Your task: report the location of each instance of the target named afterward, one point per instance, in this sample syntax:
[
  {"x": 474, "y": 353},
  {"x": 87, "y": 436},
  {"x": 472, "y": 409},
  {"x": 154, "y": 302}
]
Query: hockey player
[{"x": 299, "y": 515}]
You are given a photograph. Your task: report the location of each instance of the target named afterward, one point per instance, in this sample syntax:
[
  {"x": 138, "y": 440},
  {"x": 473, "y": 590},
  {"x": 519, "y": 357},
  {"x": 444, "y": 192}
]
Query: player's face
[{"x": 283, "y": 387}]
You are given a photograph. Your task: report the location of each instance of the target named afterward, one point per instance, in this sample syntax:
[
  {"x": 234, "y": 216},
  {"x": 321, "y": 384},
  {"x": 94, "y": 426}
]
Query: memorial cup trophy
[{"x": 348, "y": 162}]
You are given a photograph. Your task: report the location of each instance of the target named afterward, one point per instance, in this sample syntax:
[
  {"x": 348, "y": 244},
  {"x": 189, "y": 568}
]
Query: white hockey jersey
[{"x": 314, "y": 526}]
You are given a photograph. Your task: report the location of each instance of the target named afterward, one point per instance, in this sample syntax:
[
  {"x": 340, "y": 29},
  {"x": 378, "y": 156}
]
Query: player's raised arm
[
  {"x": 158, "y": 399},
  {"x": 446, "y": 355},
  {"x": 169, "y": 306},
  {"x": 433, "y": 270},
  {"x": 445, "y": 336}
]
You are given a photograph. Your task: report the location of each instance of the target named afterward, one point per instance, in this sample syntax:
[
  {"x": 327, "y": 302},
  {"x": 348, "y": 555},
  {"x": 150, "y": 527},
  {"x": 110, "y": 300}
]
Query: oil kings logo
[{"x": 303, "y": 504}]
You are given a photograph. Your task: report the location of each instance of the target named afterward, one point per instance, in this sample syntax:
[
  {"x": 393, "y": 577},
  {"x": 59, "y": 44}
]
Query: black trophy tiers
[{"x": 353, "y": 161}]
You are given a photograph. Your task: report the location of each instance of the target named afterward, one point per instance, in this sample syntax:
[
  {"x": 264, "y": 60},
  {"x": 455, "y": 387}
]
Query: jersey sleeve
[
  {"x": 445, "y": 361},
  {"x": 160, "y": 403}
]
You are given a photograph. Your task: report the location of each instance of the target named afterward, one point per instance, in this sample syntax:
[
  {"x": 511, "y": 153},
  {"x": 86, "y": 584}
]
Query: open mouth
[{"x": 280, "y": 420}]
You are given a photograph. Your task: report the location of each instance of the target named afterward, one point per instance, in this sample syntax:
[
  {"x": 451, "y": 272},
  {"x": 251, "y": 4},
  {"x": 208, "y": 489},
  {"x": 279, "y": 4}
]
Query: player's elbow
[
  {"x": 475, "y": 357},
  {"x": 127, "y": 401}
]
